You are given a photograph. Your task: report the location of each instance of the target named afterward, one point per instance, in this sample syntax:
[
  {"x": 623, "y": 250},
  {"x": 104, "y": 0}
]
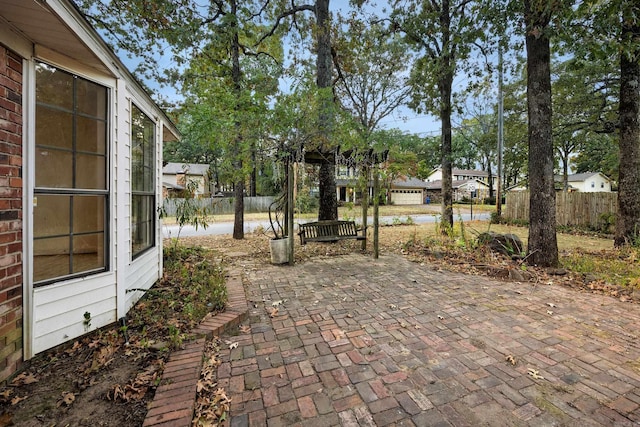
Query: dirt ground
[{"x": 101, "y": 380}]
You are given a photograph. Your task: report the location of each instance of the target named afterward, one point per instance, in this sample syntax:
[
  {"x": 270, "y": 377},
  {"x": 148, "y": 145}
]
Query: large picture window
[
  {"x": 71, "y": 192},
  {"x": 142, "y": 182}
]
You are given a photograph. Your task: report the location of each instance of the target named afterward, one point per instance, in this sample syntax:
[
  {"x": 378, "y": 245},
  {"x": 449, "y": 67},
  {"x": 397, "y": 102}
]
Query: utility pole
[{"x": 500, "y": 133}]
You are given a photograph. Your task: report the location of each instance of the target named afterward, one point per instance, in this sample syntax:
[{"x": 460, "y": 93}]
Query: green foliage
[
  {"x": 87, "y": 320},
  {"x": 188, "y": 210},
  {"x": 192, "y": 269},
  {"x": 495, "y": 218},
  {"x": 606, "y": 222},
  {"x": 399, "y": 221},
  {"x": 176, "y": 338},
  {"x": 305, "y": 202},
  {"x": 349, "y": 214}
]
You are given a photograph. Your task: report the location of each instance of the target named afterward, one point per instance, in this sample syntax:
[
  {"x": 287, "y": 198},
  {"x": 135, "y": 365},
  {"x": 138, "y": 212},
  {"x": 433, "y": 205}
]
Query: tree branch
[{"x": 294, "y": 10}]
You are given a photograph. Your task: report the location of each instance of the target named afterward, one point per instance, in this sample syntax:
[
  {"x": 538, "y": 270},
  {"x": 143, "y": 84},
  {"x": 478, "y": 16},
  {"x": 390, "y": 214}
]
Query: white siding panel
[
  {"x": 143, "y": 272},
  {"x": 59, "y": 309},
  {"x": 122, "y": 206}
]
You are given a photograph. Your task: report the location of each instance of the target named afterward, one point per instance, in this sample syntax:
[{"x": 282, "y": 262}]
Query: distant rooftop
[{"x": 188, "y": 168}]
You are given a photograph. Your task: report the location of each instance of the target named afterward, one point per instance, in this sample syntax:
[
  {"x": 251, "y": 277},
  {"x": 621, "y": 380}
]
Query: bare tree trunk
[
  {"x": 490, "y": 177},
  {"x": 543, "y": 244},
  {"x": 253, "y": 186},
  {"x": 445, "y": 87},
  {"x": 238, "y": 207},
  {"x": 628, "y": 220},
  {"x": 565, "y": 173},
  {"x": 447, "y": 173},
  {"x": 328, "y": 209}
]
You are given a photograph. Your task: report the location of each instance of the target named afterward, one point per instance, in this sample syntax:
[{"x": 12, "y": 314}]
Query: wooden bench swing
[
  {"x": 329, "y": 231},
  {"x": 326, "y": 231}
]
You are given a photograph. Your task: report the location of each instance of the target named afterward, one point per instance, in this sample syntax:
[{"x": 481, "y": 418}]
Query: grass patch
[{"x": 618, "y": 267}]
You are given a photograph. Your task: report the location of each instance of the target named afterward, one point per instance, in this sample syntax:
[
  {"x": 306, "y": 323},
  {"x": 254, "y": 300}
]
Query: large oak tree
[{"x": 542, "y": 244}]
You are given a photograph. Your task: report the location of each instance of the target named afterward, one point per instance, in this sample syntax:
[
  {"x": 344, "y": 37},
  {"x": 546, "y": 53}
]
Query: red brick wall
[{"x": 10, "y": 212}]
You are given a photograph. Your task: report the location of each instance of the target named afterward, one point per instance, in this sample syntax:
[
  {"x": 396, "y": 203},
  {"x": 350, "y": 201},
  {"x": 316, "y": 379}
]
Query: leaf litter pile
[
  {"x": 588, "y": 263},
  {"x": 108, "y": 377}
]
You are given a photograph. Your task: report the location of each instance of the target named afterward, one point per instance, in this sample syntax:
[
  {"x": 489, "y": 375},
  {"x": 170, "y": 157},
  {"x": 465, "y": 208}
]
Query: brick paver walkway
[{"x": 360, "y": 342}]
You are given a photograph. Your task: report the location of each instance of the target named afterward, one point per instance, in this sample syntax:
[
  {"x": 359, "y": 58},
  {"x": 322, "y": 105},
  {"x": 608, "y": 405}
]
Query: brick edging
[{"x": 174, "y": 401}]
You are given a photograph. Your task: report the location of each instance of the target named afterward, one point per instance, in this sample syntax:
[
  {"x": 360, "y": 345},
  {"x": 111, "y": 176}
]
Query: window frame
[
  {"x": 74, "y": 191},
  {"x": 149, "y": 193}
]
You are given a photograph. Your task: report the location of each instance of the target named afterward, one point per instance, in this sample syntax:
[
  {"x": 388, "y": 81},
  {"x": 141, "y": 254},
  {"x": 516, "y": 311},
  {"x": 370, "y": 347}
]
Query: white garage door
[{"x": 406, "y": 197}]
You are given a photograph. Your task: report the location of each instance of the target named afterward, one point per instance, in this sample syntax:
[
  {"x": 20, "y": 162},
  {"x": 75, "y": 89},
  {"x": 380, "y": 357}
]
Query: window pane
[
  {"x": 148, "y": 179},
  {"x": 54, "y": 86},
  {"x": 88, "y": 252},
  {"x": 71, "y": 155},
  {"x": 136, "y": 177},
  {"x": 54, "y": 128},
  {"x": 50, "y": 258},
  {"x": 92, "y": 99},
  {"x": 143, "y": 180},
  {"x": 91, "y": 135},
  {"x": 90, "y": 172},
  {"x": 54, "y": 168},
  {"x": 51, "y": 216},
  {"x": 88, "y": 214},
  {"x": 142, "y": 221}
]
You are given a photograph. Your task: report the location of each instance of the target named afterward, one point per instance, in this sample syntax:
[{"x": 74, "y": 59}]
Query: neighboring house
[
  {"x": 175, "y": 176},
  {"x": 408, "y": 191},
  {"x": 403, "y": 190},
  {"x": 80, "y": 168},
  {"x": 587, "y": 182},
  {"x": 463, "y": 175},
  {"x": 462, "y": 189},
  {"x": 347, "y": 183}
]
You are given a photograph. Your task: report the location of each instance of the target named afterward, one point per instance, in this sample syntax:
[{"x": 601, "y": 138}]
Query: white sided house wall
[
  {"x": 59, "y": 309},
  {"x": 595, "y": 183},
  {"x": 54, "y": 33}
]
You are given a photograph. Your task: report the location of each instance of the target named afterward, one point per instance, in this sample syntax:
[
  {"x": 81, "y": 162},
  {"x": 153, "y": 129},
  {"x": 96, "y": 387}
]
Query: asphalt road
[{"x": 217, "y": 228}]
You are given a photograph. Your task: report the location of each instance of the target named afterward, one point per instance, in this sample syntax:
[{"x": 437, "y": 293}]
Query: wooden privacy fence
[
  {"x": 223, "y": 205},
  {"x": 579, "y": 209}
]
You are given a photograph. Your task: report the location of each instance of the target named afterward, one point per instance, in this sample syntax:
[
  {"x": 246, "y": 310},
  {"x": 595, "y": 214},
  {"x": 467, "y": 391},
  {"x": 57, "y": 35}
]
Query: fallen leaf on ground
[
  {"x": 535, "y": 374},
  {"x": 245, "y": 329},
  {"x": 273, "y": 312},
  {"x": 6, "y": 419},
  {"x": 24, "y": 378},
  {"x": 511, "y": 360},
  {"x": 18, "y": 399},
  {"x": 72, "y": 350},
  {"x": 67, "y": 398}
]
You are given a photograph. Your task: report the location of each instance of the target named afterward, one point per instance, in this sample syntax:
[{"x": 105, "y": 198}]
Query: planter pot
[{"x": 279, "y": 251}]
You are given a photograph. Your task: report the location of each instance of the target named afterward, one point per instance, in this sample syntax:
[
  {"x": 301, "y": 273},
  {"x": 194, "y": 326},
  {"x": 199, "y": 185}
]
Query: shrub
[
  {"x": 305, "y": 202},
  {"x": 606, "y": 222}
]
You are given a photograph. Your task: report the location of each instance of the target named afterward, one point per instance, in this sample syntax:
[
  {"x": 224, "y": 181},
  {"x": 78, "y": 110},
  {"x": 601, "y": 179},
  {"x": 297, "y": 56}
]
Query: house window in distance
[
  {"x": 142, "y": 181},
  {"x": 71, "y": 193}
]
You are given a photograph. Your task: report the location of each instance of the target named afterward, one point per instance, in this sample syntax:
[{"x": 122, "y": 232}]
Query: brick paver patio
[{"x": 363, "y": 342}]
